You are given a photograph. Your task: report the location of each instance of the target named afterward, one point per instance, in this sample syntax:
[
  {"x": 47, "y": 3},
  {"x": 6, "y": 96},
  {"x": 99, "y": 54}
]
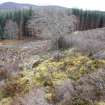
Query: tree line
[
  {"x": 11, "y": 18},
  {"x": 13, "y": 23},
  {"x": 89, "y": 19}
]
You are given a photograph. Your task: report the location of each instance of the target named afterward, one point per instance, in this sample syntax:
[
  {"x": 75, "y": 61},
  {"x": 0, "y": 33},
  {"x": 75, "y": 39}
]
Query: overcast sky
[{"x": 85, "y": 4}]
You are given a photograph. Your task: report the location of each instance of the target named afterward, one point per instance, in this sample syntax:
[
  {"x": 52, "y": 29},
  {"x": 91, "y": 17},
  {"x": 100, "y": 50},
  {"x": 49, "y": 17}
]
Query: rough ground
[
  {"x": 64, "y": 77},
  {"x": 16, "y": 52},
  {"x": 88, "y": 42}
]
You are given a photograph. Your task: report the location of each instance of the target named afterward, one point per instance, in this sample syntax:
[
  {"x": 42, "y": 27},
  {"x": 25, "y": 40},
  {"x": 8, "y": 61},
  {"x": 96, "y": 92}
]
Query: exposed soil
[{"x": 10, "y": 42}]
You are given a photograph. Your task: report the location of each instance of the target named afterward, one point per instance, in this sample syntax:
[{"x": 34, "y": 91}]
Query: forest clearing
[{"x": 51, "y": 55}]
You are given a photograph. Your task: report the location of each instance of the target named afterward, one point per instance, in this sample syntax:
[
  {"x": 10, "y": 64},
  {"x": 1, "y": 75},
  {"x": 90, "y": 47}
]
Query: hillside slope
[{"x": 13, "y": 5}]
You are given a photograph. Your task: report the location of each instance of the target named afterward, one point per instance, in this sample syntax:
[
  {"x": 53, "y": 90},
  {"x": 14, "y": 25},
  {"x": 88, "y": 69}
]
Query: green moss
[
  {"x": 1, "y": 94},
  {"x": 79, "y": 101},
  {"x": 69, "y": 67},
  {"x": 50, "y": 73},
  {"x": 6, "y": 101},
  {"x": 100, "y": 103}
]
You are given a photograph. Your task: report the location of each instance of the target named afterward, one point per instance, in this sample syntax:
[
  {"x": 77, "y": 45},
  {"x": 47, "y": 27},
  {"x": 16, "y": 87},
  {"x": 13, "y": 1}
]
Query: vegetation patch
[
  {"x": 100, "y": 103},
  {"x": 49, "y": 74}
]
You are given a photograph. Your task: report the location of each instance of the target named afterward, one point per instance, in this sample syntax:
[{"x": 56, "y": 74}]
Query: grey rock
[{"x": 100, "y": 55}]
